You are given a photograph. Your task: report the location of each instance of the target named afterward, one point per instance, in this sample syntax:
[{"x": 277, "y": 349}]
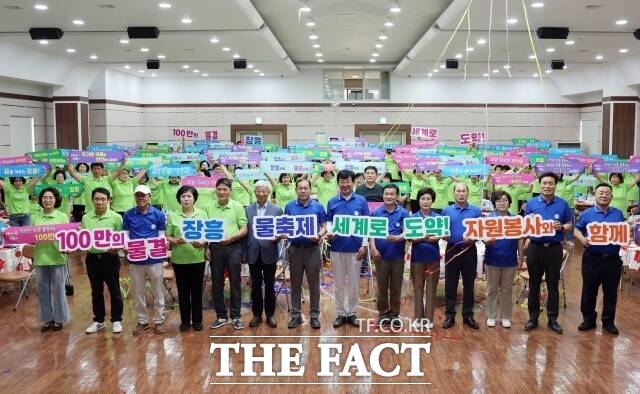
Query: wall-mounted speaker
[
  {"x": 45, "y": 33},
  {"x": 636, "y": 34},
  {"x": 143, "y": 32},
  {"x": 153, "y": 64},
  {"x": 240, "y": 64},
  {"x": 552, "y": 33},
  {"x": 557, "y": 64},
  {"x": 452, "y": 64}
]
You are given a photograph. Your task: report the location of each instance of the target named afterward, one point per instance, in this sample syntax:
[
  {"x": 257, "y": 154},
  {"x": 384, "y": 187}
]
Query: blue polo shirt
[
  {"x": 356, "y": 205},
  {"x": 144, "y": 225},
  {"x": 423, "y": 251},
  {"x": 502, "y": 253},
  {"x": 456, "y": 215},
  {"x": 595, "y": 214},
  {"x": 295, "y": 208},
  {"x": 556, "y": 209},
  {"x": 392, "y": 251}
]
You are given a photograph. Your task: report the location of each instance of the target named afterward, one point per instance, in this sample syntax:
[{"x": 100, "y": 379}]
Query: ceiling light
[
  {"x": 313, "y": 37},
  {"x": 537, "y": 4},
  {"x": 164, "y": 5},
  {"x": 186, "y": 21},
  {"x": 185, "y": 66},
  {"x": 316, "y": 45},
  {"x": 599, "y": 57},
  {"x": 261, "y": 74},
  {"x": 141, "y": 71},
  {"x": 570, "y": 42},
  {"x": 382, "y": 36},
  {"x": 532, "y": 57},
  {"x": 564, "y": 67},
  {"x": 93, "y": 57},
  {"x": 153, "y": 75},
  {"x": 126, "y": 66},
  {"x": 71, "y": 50},
  {"x": 310, "y": 23},
  {"x": 195, "y": 70},
  {"x": 78, "y": 22},
  {"x": 205, "y": 75},
  {"x": 43, "y": 42},
  {"x": 144, "y": 49},
  {"x": 547, "y": 72},
  {"x": 236, "y": 56},
  {"x": 378, "y": 45},
  {"x": 495, "y": 71},
  {"x": 375, "y": 54},
  {"x": 623, "y": 50},
  {"x": 506, "y": 67},
  {"x": 512, "y": 21},
  {"x": 395, "y": 8},
  {"x": 249, "y": 66},
  {"x": 320, "y": 60},
  {"x": 458, "y": 56},
  {"x": 41, "y": 7},
  {"x": 389, "y": 23},
  {"x": 161, "y": 57},
  {"x": 214, "y": 40},
  {"x": 442, "y": 66},
  {"x": 257, "y": 70},
  {"x": 305, "y": 8},
  {"x": 535, "y": 75},
  {"x": 435, "y": 70},
  {"x": 482, "y": 41},
  {"x": 485, "y": 75},
  {"x": 621, "y": 22},
  {"x": 430, "y": 75},
  {"x": 319, "y": 54},
  {"x": 226, "y": 49},
  {"x": 355, "y": 76},
  {"x": 124, "y": 41},
  {"x": 372, "y": 60},
  {"x": 551, "y": 50},
  {"x": 470, "y": 49}
]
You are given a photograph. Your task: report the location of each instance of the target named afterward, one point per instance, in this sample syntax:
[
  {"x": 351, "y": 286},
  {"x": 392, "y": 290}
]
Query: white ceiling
[{"x": 272, "y": 34}]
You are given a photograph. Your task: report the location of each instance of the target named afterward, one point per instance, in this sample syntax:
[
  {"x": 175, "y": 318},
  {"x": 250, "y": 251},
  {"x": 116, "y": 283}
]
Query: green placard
[
  {"x": 47, "y": 155},
  {"x": 405, "y": 187},
  {"x": 523, "y": 141},
  {"x": 65, "y": 189},
  {"x": 270, "y": 147},
  {"x": 453, "y": 150},
  {"x": 537, "y": 158}
]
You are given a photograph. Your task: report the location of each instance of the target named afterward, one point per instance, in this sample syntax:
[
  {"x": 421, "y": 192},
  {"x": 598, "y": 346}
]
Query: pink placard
[
  {"x": 508, "y": 160},
  {"x": 202, "y": 182},
  {"x": 586, "y": 160},
  {"x": 526, "y": 150},
  {"x": 374, "y": 205},
  {"x": 35, "y": 234},
  {"x": 469, "y": 137},
  {"x": 423, "y": 133},
  {"x": 15, "y": 160},
  {"x": 513, "y": 179}
]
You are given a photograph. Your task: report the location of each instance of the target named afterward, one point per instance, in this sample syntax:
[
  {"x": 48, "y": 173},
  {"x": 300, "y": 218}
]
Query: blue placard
[
  {"x": 24, "y": 170},
  {"x": 559, "y": 152},
  {"x": 166, "y": 170}
]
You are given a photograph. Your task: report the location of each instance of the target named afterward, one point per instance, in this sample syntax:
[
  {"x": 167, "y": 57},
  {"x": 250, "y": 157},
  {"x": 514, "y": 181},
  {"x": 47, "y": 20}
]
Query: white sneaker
[
  {"x": 116, "y": 327},
  {"x": 506, "y": 323},
  {"x": 95, "y": 326},
  {"x": 491, "y": 322}
]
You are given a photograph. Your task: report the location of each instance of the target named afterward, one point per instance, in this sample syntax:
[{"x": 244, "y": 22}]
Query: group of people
[{"x": 148, "y": 208}]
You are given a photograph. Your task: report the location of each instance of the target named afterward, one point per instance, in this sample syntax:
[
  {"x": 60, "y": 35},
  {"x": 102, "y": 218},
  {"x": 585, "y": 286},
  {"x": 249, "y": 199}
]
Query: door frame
[
  {"x": 406, "y": 128},
  {"x": 237, "y": 128}
]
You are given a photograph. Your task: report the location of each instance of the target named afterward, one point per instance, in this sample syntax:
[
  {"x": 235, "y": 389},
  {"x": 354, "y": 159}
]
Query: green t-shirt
[
  {"x": 89, "y": 184},
  {"x": 169, "y": 191},
  {"x": 284, "y": 194},
  {"x": 232, "y": 213},
  {"x": 619, "y": 199},
  {"x": 416, "y": 183},
  {"x": 515, "y": 192},
  {"x": 475, "y": 192},
  {"x": 47, "y": 253},
  {"x": 206, "y": 196},
  {"x": 392, "y": 167},
  {"x": 156, "y": 196},
  {"x": 442, "y": 189},
  {"x": 122, "y": 196},
  {"x": 16, "y": 200},
  {"x": 185, "y": 253},
  {"x": 566, "y": 192},
  {"x": 325, "y": 190},
  {"x": 109, "y": 219},
  {"x": 239, "y": 194}
]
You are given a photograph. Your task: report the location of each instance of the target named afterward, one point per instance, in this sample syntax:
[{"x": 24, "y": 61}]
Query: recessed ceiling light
[
  {"x": 305, "y": 8},
  {"x": 485, "y": 75},
  {"x": 41, "y": 7},
  {"x": 378, "y": 45},
  {"x": 355, "y": 76},
  {"x": 599, "y": 57},
  {"x": 537, "y": 4},
  {"x": 257, "y": 70},
  {"x": 261, "y": 74},
  {"x": 126, "y": 66},
  {"x": 532, "y": 57},
  {"x": 506, "y": 67},
  {"x": 78, "y": 22},
  {"x": 310, "y": 23},
  {"x": 71, "y": 50},
  {"x": 512, "y": 21},
  {"x": 124, "y": 41},
  {"x": 320, "y": 60},
  {"x": 482, "y": 41},
  {"x": 144, "y": 49},
  {"x": 249, "y": 66},
  {"x": 313, "y": 37},
  {"x": 141, "y": 71},
  {"x": 389, "y": 23},
  {"x": 430, "y": 75},
  {"x": 547, "y": 72},
  {"x": 435, "y": 70},
  {"x": 205, "y": 75},
  {"x": 565, "y": 67},
  {"x": 316, "y": 45},
  {"x": 372, "y": 60},
  {"x": 93, "y": 57},
  {"x": 621, "y": 22},
  {"x": 570, "y": 42},
  {"x": 395, "y": 8},
  {"x": 458, "y": 56},
  {"x": 186, "y": 21},
  {"x": 236, "y": 56},
  {"x": 623, "y": 50},
  {"x": 164, "y": 5},
  {"x": 535, "y": 75},
  {"x": 161, "y": 57},
  {"x": 382, "y": 36},
  {"x": 214, "y": 40},
  {"x": 551, "y": 49},
  {"x": 495, "y": 71},
  {"x": 226, "y": 49},
  {"x": 185, "y": 66},
  {"x": 153, "y": 75},
  {"x": 319, "y": 54},
  {"x": 43, "y": 42},
  {"x": 196, "y": 70},
  {"x": 470, "y": 49},
  {"x": 375, "y": 54},
  {"x": 442, "y": 66}
]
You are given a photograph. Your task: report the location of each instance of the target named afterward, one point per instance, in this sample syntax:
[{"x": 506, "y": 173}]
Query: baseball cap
[{"x": 142, "y": 189}]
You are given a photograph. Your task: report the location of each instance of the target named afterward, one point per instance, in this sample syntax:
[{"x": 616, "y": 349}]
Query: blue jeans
[
  {"x": 51, "y": 293},
  {"x": 19, "y": 220}
]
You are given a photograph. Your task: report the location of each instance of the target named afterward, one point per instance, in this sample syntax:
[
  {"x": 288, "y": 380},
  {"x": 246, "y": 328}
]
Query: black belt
[
  {"x": 305, "y": 246},
  {"x": 603, "y": 255},
  {"x": 545, "y": 244},
  {"x": 99, "y": 256}
]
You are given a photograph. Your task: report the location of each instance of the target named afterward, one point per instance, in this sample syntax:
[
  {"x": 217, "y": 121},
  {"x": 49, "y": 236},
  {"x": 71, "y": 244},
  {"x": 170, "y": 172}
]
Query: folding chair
[
  {"x": 524, "y": 275},
  {"x": 282, "y": 275},
  {"x": 20, "y": 276},
  {"x": 168, "y": 276}
]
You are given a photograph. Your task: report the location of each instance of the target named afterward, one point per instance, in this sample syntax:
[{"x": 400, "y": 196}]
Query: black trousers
[
  {"x": 104, "y": 268},
  {"x": 76, "y": 212},
  {"x": 262, "y": 273},
  {"x": 545, "y": 261},
  {"x": 464, "y": 264},
  {"x": 596, "y": 271},
  {"x": 226, "y": 257},
  {"x": 189, "y": 280}
]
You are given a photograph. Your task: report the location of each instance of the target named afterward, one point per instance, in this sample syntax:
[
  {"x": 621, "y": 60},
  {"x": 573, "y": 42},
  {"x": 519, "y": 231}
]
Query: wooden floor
[{"x": 461, "y": 359}]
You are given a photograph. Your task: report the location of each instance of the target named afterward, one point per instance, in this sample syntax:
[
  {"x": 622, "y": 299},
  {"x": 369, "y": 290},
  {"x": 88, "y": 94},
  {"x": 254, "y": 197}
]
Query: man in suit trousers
[{"x": 262, "y": 256}]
